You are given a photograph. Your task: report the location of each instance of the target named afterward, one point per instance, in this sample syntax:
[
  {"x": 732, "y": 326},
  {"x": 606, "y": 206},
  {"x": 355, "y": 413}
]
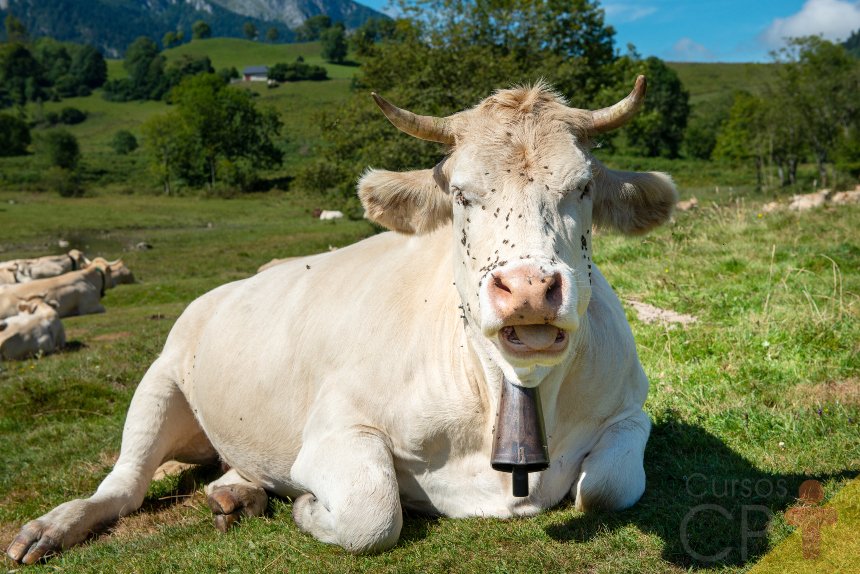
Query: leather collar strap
[
  {"x": 102, "y": 273},
  {"x": 74, "y": 263}
]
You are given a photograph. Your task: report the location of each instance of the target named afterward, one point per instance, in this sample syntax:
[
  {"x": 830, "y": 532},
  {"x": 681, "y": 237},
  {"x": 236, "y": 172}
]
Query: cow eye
[{"x": 586, "y": 191}]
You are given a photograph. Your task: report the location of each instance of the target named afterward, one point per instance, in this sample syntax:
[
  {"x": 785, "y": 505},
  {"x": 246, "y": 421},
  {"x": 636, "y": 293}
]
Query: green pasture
[
  {"x": 764, "y": 387},
  {"x": 707, "y": 81}
]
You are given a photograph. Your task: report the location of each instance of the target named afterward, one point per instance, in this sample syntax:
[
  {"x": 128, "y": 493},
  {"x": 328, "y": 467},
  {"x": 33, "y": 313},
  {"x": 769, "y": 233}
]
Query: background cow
[
  {"x": 36, "y": 328},
  {"x": 76, "y": 293}
]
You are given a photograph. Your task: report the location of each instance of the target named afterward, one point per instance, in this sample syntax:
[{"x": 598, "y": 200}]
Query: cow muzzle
[{"x": 526, "y": 306}]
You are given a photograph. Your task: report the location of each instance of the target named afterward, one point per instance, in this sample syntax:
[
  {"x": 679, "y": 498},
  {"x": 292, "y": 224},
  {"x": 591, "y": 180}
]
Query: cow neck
[
  {"x": 102, "y": 273},
  {"x": 488, "y": 376},
  {"x": 74, "y": 263}
]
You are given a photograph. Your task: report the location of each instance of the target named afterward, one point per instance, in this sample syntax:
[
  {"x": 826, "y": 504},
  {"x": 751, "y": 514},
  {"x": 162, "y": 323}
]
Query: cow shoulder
[{"x": 633, "y": 203}]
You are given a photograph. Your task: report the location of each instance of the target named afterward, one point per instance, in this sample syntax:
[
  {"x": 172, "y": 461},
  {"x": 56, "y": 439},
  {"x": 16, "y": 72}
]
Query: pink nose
[{"x": 526, "y": 296}]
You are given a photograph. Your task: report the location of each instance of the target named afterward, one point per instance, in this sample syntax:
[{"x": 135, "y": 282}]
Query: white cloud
[
  {"x": 623, "y": 13},
  {"x": 836, "y": 19},
  {"x": 687, "y": 50}
]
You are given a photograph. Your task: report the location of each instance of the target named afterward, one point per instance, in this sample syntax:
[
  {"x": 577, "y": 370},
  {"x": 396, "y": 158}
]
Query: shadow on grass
[
  {"x": 710, "y": 506},
  {"x": 72, "y": 347}
]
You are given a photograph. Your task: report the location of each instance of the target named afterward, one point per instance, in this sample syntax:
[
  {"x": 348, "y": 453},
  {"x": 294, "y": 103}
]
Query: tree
[
  {"x": 14, "y": 136},
  {"x": 61, "y": 149},
  {"x": 334, "y": 45},
  {"x": 705, "y": 122},
  {"x": 17, "y": 64},
  {"x": 168, "y": 144},
  {"x": 296, "y": 71},
  {"x": 67, "y": 86},
  {"x": 249, "y": 30},
  {"x": 310, "y": 30},
  {"x": 446, "y": 56},
  {"x": 88, "y": 65},
  {"x": 213, "y": 124},
  {"x": 201, "y": 30},
  {"x": 15, "y": 30},
  {"x": 743, "y": 136},
  {"x": 123, "y": 142},
  {"x": 272, "y": 35},
  {"x": 820, "y": 80},
  {"x": 168, "y": 40}
]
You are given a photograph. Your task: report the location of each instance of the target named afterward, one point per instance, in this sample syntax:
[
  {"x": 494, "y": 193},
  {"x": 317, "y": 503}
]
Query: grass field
[{"x": 764, "y": 388}]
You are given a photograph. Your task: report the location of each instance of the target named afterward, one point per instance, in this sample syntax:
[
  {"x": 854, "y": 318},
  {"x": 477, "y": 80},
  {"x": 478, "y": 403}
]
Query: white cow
[
  {"x": 365, "y": 380},
  {"x": 76, "y": 293},
  {"x": 324, "y": 215},
  {"x": 47, "y": 266},
  {"x": 36, "y": 327}
]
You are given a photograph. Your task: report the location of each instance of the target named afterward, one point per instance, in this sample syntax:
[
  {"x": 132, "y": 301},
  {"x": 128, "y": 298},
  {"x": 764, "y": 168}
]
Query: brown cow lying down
[
  {"x": 76, "y": 293},
  {"x": 36, "y": 327}
]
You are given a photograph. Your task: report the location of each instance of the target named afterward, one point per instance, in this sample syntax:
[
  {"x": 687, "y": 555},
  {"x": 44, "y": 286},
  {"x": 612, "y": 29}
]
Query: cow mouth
[{"x": 529, "y": 339}]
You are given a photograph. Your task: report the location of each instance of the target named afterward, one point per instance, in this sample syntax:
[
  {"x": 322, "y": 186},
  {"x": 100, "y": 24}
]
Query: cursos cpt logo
[
  {"x": 699, "y": 486},
  {"x": 810, "y": 519}
]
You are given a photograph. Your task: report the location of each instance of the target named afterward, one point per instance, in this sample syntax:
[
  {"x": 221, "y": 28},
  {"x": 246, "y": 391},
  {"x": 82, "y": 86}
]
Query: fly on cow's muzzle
[{"x": 519, "y": 437}]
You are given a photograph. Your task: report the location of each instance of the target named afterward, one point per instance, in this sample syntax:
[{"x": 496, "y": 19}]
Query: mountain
[
  {"x": 111, "y": 25},
  {"x": 294, "y": 12}
]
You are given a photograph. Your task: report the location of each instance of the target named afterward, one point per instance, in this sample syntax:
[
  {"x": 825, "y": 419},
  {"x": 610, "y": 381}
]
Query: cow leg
[
  {"x": 231, "y": 497},
  {"x": 159, "y": 427},
  {"x": 355, "y": 501},
  {"x": 612, "y": 476}
]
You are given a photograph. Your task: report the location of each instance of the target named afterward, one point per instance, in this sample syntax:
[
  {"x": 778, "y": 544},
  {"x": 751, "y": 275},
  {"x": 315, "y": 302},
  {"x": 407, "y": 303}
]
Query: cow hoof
[
  {"x": 224, "y": 501},
  {"x": 231, "y": 503},
  {"x": 303, "y": 511},
  {"x": 224, "y": 522},
  {"x": 33, "y": 543}
]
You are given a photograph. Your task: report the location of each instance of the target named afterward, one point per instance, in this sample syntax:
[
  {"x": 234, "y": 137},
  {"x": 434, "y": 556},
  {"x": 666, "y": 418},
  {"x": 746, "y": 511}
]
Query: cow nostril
[
  {"x": 497, "y": 281},
  {"x": 554, "y": 293}
]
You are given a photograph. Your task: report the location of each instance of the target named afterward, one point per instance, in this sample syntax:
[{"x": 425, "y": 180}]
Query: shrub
[
  {"x": 61, "y": 148},
  {"x": 84, "y": 91},
  {"x": 71, "y": 116},
  {"x": 61, "y": 180},
  {"x": 67, "y": 86},
  {"x": 123, "y": 142},
  {"x": 296, "y": 71},
  {"x": 52, "y": 118},
  {"x": 14, "y": 136}
]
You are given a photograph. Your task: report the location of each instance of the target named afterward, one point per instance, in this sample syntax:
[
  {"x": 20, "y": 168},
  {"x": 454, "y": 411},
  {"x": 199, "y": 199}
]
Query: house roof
[{"x": 253, "y": 70}]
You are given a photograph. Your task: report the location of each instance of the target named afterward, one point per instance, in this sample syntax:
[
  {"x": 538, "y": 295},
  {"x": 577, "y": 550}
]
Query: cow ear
[
  {"x": 632, "y": 202},
  {"x": 412, "y": 202},
  {"x": 54, "y": 303}
]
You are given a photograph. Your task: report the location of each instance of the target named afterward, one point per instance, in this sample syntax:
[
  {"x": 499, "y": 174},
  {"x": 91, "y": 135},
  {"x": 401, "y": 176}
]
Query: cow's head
[{"x": 523, "y": 192}]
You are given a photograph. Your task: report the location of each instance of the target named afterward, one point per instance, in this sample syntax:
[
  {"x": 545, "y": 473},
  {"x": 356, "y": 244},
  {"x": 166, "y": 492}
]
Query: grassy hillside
[
  {"x": 706, "y": 81},
  {"x": 296, "y": 101},
  {"x": 228, "y": 52}
]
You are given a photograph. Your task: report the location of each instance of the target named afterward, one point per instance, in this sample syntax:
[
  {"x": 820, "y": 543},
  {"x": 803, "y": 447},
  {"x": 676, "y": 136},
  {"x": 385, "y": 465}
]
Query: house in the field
[{"x": 255, "y": 73}]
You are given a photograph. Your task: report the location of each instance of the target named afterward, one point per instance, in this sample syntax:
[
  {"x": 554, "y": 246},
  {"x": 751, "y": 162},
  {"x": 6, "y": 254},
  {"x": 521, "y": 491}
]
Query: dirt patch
[
  {"x": 182, "y": 509},
  {"x": 111, "y": 336},
  {"x": 651, "y": 314},
  {"x": 846, "y": 391}
]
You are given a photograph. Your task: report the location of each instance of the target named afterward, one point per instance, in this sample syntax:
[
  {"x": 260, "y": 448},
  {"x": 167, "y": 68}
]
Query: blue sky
[{"x": 719, "y": 30}]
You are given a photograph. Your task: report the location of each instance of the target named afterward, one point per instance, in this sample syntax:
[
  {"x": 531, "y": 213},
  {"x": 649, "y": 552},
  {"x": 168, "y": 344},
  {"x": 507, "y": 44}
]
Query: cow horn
[
  {"x": 117, "y": 262},
  {"x": 41, "y": 295},
  {"x": 422, "y": 127},
  {"x": 614, "y": 117},
  {"x": 87, "y": 262}
]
